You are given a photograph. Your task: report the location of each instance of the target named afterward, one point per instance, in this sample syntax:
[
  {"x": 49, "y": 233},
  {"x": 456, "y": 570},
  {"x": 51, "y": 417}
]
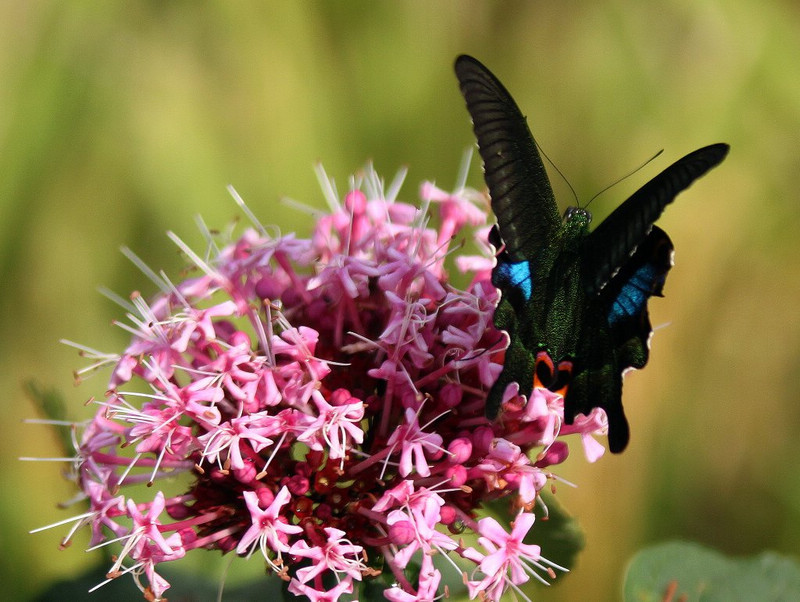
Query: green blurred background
[{"x": 119, "y": 121}]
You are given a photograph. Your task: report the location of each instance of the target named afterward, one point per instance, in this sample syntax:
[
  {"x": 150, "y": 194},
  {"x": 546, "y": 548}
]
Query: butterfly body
[{"x": 573, "y": 301}]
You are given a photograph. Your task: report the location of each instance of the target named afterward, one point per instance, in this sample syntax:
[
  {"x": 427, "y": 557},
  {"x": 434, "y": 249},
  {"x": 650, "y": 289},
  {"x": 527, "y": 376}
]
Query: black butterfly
[{"x": 574, "y": 303}]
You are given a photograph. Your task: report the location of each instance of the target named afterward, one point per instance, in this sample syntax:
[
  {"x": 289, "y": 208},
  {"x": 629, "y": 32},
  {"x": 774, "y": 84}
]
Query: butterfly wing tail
[{"x": 599, "y": 386}]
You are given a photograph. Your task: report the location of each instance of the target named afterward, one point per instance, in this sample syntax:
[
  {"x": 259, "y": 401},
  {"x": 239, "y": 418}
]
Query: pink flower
[
  {"x": 269, "y": 531},
  {"x": 507, "y": 463},
  {"x": 145, "y": 525},
  {"x": 323, "y": 400},
  {"x": 325, "y": 595},
  {"x": 507, "y": 548},
  {"x": 415, "y": 445},
  {"x": 336, "y": 554},
  {"x": 456, "y": 209},
  {"x": 230, "y": 437},
  {"x": 149, "y": 558},
  {"x": 429, "y": 578},
  {"x": 509, "y": 560},
  {"x": 336, "y": 428},
  {"x": 414, "y": 528}
]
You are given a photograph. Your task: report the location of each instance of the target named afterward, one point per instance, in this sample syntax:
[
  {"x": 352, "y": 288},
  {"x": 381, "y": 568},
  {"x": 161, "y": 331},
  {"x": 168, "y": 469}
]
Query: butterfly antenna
[
  {"x": 626, "y": 176},
  {"x": 560, "y": 173}
]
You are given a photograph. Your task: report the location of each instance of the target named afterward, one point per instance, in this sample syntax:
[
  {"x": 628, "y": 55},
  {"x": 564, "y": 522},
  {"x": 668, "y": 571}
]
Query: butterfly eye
[{"x": 578, "y": 215}]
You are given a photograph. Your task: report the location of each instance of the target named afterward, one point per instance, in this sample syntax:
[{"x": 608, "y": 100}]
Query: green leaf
[
  {"x": 688, "y": 572},
  {"x": 559, "y": 534}
]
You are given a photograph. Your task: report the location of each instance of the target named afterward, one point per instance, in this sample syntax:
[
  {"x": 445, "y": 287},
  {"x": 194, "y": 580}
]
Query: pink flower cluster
[{"x": 321, "y": 402}]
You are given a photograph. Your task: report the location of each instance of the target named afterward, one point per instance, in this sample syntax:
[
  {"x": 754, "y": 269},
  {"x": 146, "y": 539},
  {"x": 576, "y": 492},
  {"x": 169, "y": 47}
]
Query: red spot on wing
[{"x": 549, "y": 375}]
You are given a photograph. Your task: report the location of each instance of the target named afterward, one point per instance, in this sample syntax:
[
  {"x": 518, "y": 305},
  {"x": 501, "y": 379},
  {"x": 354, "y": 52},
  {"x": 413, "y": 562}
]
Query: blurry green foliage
[{"x": 690, "y": 573}]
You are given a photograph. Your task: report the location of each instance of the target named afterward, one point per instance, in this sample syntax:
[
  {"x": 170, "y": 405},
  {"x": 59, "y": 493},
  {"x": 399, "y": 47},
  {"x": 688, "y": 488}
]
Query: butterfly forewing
[
  {"x": 614, "y": 240},
  {"x": 522, "y": 198}
]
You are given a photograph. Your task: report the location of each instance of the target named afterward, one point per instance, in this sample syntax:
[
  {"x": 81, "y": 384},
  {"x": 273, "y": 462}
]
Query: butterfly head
[{"x": 577, "y": 216}]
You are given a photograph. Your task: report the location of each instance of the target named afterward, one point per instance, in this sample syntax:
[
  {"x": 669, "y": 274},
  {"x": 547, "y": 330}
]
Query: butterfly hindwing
[
  {"x": 617, "y": 337},
  {"x": 573, "y": 303},
  {"x": 625, "y": 298}
]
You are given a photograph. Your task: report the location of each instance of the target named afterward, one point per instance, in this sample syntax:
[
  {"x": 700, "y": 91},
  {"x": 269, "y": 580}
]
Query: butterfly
[{"x": 573, "y": 302}]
